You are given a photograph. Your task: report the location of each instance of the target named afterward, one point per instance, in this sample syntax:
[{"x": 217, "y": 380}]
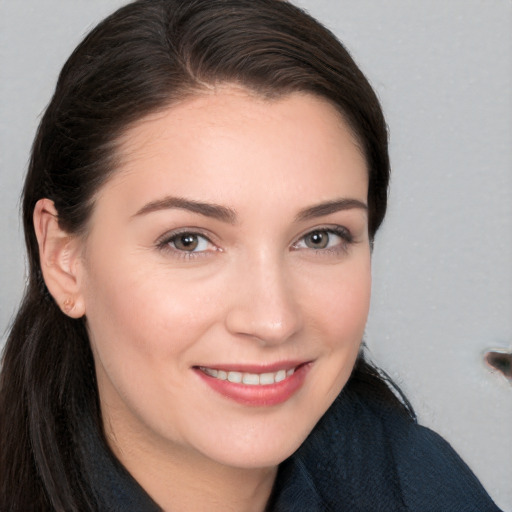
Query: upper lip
[{"x": 255, "y": 368}]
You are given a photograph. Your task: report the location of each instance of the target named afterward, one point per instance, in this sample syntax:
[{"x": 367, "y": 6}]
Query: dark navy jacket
[{"x": 363, "y": 456}]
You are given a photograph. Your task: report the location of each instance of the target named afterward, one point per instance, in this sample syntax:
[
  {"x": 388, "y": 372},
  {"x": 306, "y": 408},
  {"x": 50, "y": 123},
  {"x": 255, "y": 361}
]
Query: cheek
[
  {"x": 154, "y": 314},
  {"x": 340, "y": 306},
  {"x": 340, "y": 314},
  {"x": 140, "y": 313},
  {"x": 144, "y": 328}
]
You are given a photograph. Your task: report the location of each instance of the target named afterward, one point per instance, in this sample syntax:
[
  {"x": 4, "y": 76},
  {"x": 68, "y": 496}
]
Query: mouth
[
  {"x": 256, "y": 385},
  {"x": 247, "y": 378}
]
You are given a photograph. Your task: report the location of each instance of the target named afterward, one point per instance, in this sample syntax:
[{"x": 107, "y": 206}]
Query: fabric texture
[{"x": 363, "y": 456}]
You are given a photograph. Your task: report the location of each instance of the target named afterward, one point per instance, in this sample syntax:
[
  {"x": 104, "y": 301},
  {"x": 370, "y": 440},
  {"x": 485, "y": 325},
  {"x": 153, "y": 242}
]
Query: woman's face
[{"x": 232, "y": 244}]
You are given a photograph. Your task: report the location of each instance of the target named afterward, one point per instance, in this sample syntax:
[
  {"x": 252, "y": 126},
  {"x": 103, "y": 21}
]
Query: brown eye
[
  {"x": 186, "y": 242},
  {"x": 317, "y": 240}
]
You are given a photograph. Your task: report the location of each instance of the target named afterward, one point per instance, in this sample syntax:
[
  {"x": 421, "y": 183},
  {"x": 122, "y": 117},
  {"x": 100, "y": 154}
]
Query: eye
[
  {"x": 189, "y": 242},
  {"x": 186, "y": 242},
  {"x": 317, "y": 240},
  {"x": 325, "y": 239}
]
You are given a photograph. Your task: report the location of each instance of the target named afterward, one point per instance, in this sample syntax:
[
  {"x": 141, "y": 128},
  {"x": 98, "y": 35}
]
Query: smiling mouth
[
  {"x": 256, "y": 385},
  {"x": 250, "y": 379}
]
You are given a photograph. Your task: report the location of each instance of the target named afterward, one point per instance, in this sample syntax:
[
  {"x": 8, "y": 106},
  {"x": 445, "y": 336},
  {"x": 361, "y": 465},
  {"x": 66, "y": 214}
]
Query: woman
[{"x": 202, "y": 198}]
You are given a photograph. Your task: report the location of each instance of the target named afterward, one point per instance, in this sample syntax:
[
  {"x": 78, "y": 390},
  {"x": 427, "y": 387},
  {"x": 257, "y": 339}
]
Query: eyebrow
[
  {"x": 329, "y": 207},
  {"x": 215, "y": 211},
  {"x": 229, "y": 215}
]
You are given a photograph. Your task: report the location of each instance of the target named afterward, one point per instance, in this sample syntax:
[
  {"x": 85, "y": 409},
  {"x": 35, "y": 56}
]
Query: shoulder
[
  {"x": 364, "y": 455},
  {"x": 432, "y": 475}
]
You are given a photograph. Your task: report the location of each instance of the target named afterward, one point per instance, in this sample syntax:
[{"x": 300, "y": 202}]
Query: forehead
[{"x": 231, "y": 141}]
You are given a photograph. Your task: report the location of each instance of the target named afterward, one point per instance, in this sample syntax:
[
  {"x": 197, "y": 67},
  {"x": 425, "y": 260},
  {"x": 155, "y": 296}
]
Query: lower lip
[{"x": 266, "y": 395}]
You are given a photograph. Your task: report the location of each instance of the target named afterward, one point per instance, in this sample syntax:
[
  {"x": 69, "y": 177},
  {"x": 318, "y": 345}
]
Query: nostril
[{"x": 500, "y": 360}]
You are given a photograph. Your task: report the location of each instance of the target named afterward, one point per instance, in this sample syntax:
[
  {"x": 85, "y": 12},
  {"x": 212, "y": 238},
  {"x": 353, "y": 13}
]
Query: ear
[{"x": 60, "y": 258}]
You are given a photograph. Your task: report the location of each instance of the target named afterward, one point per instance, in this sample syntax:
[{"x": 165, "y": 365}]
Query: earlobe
[{"x": 60, "y": 258}]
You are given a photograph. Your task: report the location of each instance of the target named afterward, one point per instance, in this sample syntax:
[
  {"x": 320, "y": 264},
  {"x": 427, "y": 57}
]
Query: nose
[{"x": 263, "y": 304}]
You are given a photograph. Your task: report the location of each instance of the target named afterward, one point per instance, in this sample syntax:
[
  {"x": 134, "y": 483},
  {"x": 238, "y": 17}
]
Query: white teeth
[
  {"x": 267, "y": 378},
  {"x": 280, "y": 375},
  {"x": 211, "y": 372},
  {"x": 235, "y": 377},
  {"x": 250, "y": 379}
]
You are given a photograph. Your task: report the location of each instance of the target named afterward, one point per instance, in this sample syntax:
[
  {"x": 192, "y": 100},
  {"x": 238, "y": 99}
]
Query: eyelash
[{"x": 165, "y": 243}]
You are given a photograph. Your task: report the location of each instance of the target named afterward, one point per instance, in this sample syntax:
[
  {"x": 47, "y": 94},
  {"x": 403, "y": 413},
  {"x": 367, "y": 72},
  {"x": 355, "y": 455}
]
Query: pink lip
[{"x": 263, "y": 395}]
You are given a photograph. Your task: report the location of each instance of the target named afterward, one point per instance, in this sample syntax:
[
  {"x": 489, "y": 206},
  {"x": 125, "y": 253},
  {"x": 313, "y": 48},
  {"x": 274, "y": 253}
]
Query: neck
[{"x": 180, "y": 479}]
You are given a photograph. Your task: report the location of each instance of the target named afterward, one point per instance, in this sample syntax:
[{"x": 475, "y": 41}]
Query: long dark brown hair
[{"x": 141, "y": 59}]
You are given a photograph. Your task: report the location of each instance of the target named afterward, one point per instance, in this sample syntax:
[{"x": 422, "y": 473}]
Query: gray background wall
[{"x": 443, "y": 261}]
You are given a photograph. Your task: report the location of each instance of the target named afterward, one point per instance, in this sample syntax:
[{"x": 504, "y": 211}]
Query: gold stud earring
[{"x": 68, "y": 305}]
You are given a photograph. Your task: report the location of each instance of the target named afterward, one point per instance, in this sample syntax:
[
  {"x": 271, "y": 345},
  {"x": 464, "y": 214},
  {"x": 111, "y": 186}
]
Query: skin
[{"x": 255, "y": 291}]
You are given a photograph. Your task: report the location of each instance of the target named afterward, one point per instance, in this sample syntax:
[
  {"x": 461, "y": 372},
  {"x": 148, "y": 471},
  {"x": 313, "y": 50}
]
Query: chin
[
  {"x": 260, "y": 444},
  {"x": 256, "y": 456}
]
